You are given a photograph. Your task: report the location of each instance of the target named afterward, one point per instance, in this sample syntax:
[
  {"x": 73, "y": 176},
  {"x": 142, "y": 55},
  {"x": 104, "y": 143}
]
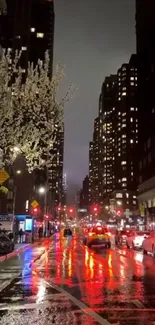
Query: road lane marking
[
  {"x": 80, "y": 304},
  {"x": 138, "y": 303}
]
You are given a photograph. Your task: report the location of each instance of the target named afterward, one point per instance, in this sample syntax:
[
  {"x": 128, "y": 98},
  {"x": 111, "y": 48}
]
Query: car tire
[
  {"x": 109, "y": 245},
  {"x": 144, "y": 251}
]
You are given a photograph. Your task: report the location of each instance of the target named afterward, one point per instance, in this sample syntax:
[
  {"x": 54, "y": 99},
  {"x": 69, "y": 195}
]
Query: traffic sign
[
  {"x": 127, "y": 213},
  {"x": 34, "y": 204},
  {"x": 3, "y": 176}
]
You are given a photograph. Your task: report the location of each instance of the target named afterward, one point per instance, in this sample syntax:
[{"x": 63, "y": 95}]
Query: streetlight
[
  {"x": 41, "y": 190},
  {"x": 18, "y": 172}
]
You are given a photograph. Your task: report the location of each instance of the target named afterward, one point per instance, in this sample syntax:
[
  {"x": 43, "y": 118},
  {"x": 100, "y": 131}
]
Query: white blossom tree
[{"x": 30, "y": 112}]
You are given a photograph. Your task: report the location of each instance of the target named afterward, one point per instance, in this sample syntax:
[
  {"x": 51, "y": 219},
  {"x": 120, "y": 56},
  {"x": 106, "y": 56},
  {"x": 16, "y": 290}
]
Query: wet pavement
[{"x": 72, "y": 284}]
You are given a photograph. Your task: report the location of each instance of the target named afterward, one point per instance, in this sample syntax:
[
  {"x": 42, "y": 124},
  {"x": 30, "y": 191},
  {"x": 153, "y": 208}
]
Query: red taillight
[
  {"x": 91, "y": 234},
  {"x": 99, "y": 228}
]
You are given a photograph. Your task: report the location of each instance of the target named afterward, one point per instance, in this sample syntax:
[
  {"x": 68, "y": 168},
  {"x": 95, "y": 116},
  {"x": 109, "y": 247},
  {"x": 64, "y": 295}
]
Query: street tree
[{"x": 30, "y": 112}]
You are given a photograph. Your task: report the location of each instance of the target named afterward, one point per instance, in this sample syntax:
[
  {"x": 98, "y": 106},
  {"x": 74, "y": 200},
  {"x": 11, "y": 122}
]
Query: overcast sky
[{"x": 92, "y": 39}]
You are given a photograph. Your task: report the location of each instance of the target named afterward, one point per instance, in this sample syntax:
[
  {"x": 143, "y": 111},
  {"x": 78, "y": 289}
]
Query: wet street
[{"x": 72, "y": 284}]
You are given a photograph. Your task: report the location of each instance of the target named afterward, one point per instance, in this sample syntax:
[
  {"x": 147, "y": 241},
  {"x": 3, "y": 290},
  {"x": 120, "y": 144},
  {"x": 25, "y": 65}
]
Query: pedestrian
[{"x": 21, "y": 235}]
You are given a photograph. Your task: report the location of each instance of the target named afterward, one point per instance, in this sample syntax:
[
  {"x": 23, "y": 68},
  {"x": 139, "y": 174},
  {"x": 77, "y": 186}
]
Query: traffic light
[
  {"x": 95, "y": 209},
  {"x": 35, "y": 211},
  {"x": 70, "y": 210}
]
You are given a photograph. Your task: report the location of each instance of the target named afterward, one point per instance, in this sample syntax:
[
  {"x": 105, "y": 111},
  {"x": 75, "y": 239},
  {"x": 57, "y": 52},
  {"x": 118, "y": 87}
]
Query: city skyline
[{"x": 114, "y": 42}]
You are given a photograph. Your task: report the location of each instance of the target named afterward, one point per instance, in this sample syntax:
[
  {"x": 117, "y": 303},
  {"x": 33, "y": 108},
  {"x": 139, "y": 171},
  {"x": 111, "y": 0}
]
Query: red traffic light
[
  {"x": 35, "y": 210},
  {"x": 95, "y": 209}
]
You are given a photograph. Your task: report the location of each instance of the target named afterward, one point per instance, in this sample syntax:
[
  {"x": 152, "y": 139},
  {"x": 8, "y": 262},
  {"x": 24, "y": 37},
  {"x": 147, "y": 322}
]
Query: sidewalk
[{"x": 19, "y": 248}]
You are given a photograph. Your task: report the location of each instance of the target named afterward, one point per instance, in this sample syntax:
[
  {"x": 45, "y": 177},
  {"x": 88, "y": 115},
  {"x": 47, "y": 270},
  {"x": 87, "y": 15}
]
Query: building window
[
  {"x": 24, "y": 48},
  {"x": 119, "y": 195},
  {"x": 131, "y": 140},
  {"x": 124, "y": 179},
  {"x": 132, "y": 109},
  {"x": 40, "y": 35},
  {"x": 127, "y": 195},
  {"x": 132, "y": 83},
  {"x": 123, "y": 163},
  {"x": 123, "y": 135},
  {"x": 131, "y": 78},
  {"x": 33, "y": 29},
  {"x": 131, "y": 119},
  {"x": 124, "y": 93},
  {"x": 134, "y": 202},
  {"x": 124, "y": 184},
  {"x": 123, "y": 125}
]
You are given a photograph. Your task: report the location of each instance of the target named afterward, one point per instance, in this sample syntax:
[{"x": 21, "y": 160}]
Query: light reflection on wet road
[{"x": 118, "y": 284}]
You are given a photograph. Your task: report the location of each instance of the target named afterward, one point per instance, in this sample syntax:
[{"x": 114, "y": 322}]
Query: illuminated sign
[{"x": 28, "y": 226}]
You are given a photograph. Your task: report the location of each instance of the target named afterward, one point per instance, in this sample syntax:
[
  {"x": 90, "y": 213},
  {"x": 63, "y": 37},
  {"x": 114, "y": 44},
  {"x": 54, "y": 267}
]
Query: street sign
[
  {"x": 127, "y": 213},
  {"x": 3, "y": 176},
  {"x": 34, "y": 204}
]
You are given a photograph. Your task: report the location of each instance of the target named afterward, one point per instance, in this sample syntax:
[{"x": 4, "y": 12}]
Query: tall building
[
  {"x": 91, "y": 173},
  {"x": 29, "y": 28},
  {"x": 145, "y": 31},
  {"x": 113, "y": 154},
  {"x": 84, "y": 194}
]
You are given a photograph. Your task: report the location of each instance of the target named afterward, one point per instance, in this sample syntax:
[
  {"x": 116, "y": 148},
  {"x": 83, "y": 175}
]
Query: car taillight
[
  {"x": 91, "y": 234},
  {"x": 108, "y": 233}
]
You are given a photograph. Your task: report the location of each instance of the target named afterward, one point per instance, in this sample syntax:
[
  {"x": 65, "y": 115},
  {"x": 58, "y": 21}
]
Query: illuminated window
[
  {"x": 123, "y": 125},
  {"x": 24, "y": 48},
  {"x": 132, "y": 109},
  {"x": 33, "y": 29},
  {"x": 124, "y": 94},
  {"x": 119, "y": 98},
  {"x": 123, "y": 163},
  {"x": 131, "y": 78},
  {"x": 119, "y": 113},
  {"x": 132, "y": 83},
  {"x": 123, "y": 114},
  {"x": 134, "y": 197},
  {"x": 131, "y": 119},
  {"x": 127, "y": 195},
  {"x": 119, "y": 154},
  {"x": 124, "y": 179},
  {"x": 131, "y": 140},
  {"x": 123, "y": 135},
  {"x": 124, "y": 184},
  {"x": 131, "y": 173},
  {"x": 40, "y": 35},
  {"x": 119, "y": 195},
  {"x": 134, "y": 202}
]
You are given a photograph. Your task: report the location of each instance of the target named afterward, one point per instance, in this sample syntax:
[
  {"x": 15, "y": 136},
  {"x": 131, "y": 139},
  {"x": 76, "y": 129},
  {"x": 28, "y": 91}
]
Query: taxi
[{"x": 97, "y": 236}]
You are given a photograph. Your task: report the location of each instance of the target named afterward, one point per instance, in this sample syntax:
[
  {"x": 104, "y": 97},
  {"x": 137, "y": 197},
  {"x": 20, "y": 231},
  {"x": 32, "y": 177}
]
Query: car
[
  {"x": 6, "y": 244},
  {"x": 121, "y": 236},
  {"x": 148, "y": 244},
  {"x": 135, "y": 239},
  {"x": 97, "y": 236}
]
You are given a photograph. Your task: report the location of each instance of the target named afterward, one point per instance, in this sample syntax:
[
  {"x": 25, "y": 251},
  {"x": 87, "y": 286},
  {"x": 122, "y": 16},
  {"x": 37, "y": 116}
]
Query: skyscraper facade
[
  {"x": 28, "y": 27},
  {"x": 145, "y": 31},
  {"x": 115, "y": 143}
]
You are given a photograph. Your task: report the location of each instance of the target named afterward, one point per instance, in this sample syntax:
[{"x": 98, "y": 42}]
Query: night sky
[{"x": 92, "y": 39}]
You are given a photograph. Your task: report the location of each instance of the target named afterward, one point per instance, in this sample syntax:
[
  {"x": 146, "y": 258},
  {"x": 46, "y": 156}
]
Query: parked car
[
  {"x": 121, "y": 236},
  {"x": 135, "y": 239},
  {"x": 6, "y": 244},
  {"x": 148, "y": 244}
]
